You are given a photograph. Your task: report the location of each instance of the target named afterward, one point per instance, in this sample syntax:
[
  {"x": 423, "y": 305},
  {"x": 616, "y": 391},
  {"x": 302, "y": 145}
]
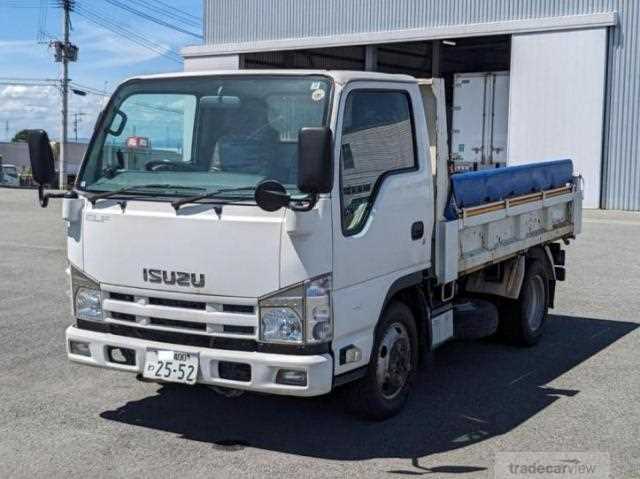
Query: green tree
[{"x": 20, "y": 137}]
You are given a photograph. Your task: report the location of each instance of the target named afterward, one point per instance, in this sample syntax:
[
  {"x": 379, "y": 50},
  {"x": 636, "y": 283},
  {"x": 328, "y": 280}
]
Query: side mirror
[
  {"x": 42, "y": 165},
  {"x": 315, "y": 168},
  {"x": 41, "y": 157},
  {"x": 271, "y": 195}
]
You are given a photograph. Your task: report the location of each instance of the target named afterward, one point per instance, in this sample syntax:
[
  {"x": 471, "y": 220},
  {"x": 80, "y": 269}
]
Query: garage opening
[{"x": 476, "y": 73}]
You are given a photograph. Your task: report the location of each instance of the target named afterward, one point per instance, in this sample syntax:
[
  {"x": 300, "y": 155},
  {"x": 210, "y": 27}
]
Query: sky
[{"x": 105, "y": 58}]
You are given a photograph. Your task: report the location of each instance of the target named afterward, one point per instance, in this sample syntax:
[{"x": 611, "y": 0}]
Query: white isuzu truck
[{"x": 289, "y": 232}]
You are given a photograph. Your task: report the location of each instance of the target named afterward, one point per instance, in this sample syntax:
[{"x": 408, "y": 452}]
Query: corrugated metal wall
[{"x": 233, "y": 21}]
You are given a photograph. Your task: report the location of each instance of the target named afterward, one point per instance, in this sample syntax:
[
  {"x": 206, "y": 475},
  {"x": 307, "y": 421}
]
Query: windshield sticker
[
  {"x": 318, "y": 95},
  {"x": 316, "y": 85}
]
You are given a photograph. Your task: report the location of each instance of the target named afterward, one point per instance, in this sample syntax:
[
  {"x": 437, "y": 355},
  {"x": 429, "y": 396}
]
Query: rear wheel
[
  {"x": 522, "y": 321},
  {"x": 384, "y": 390}
]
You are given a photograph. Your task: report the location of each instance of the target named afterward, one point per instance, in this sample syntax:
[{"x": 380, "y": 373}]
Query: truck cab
[{"x": 284, "y": 232}]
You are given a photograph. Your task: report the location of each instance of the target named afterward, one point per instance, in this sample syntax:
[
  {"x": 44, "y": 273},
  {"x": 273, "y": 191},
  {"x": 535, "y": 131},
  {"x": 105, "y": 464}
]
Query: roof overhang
[
  {"x": 339, "y": 76},
  {"x": 507, "y": 27}
]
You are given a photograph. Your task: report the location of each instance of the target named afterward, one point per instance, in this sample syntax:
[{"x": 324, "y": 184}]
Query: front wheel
[{"x": 384, "y": 390}]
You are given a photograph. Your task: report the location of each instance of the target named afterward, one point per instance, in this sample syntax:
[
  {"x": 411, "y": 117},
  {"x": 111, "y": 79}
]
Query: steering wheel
[{"x": 168, "y": 165}]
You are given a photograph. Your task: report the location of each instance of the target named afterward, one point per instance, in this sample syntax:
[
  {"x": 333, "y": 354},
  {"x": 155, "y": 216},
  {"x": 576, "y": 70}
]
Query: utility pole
[
  {"x": 76, "y": 120},
  {"x": 65, "y": 53},
  {"x": 65, "y": 93}
]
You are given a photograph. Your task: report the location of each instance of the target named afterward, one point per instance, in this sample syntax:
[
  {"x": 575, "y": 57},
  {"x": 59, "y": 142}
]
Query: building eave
[{"x": 508, "y": 27}]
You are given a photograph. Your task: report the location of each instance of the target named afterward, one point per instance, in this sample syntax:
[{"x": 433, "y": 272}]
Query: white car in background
[{"x": 9, "y": 176}]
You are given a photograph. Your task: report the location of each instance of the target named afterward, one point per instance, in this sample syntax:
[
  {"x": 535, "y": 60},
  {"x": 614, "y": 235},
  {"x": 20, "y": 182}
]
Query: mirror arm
[
  {"x": 44, "y": 197},
  {"x": 304, "y": 204}
]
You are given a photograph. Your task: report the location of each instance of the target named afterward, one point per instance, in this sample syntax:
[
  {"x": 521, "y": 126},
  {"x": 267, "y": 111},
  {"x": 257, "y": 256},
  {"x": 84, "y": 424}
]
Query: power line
[
  {"x": 6, "y": 83},
  {"x": 174, "y": 9},
  {"x": 173, "y": 13},
  {"x": 127, "y": 34},
  {"x": 151, "y": 18},
  {"x": 30, "y": 82},
  {"x": 25, "y": 5},
  {"x": 22, "y": 79},
  {"x": 131, "y": 36},
  {"x": 42, "y": 20}
]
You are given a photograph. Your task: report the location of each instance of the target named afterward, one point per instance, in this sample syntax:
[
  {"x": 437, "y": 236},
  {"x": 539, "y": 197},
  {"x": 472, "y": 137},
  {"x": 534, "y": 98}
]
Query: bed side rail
[{"x": 490, "y": 233}]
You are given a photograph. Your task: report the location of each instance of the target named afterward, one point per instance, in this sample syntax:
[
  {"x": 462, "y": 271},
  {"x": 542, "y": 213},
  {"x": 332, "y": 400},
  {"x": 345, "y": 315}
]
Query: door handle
[{"x": 417, "y": 230}]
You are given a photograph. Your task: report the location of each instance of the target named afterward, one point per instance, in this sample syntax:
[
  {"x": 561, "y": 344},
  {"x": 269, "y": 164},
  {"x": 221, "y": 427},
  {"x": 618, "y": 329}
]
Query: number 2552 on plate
[{"x": 171, "y": 366}]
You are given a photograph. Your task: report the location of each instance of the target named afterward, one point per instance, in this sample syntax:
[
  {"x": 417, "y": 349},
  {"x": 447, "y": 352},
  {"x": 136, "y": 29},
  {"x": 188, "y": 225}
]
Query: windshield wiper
[
  {"x": 183, "y": 201},
  {"x": 131, "y": 189}
]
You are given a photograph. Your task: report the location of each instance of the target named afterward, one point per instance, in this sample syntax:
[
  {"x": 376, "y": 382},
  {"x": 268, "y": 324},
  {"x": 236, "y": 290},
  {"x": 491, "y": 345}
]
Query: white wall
[
  {"x": 220, "y": 62},
  {"x": 556, "y": 102}
]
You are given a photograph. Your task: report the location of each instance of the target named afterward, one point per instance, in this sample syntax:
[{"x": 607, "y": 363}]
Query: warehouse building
[
  {"x": 17, "y": 154},
  {"x": 558, "y": 78}
]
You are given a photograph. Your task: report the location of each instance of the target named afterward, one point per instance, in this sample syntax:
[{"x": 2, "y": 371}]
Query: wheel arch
[
  {"x": 514, "y": 269},
  {"x": 409, "y": 290},
  {"x": 543, "y": 254}
]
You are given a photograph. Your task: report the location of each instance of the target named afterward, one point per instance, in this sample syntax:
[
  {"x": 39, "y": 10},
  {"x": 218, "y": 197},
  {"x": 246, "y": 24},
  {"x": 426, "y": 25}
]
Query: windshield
[
  {"x": 10, "y": 171},
  {"x": 204, "y": 134}
]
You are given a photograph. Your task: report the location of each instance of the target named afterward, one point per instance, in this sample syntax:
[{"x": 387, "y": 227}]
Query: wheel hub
[{"x": 394, "y": 360}]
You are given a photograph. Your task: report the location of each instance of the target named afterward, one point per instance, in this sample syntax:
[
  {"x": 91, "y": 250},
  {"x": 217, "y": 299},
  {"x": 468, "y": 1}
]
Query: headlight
[
  {"x": 87, "y": 299},
  {"x": 299, "y": 314},
  {"x": 88, "y": 304},
  {"x": 281, "y": 324}
]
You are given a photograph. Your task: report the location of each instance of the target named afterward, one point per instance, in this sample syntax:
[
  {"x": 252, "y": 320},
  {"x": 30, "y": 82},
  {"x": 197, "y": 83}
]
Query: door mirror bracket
[
  {"x": 271, "y": 195},
  {"x": 44, "y": 198}
]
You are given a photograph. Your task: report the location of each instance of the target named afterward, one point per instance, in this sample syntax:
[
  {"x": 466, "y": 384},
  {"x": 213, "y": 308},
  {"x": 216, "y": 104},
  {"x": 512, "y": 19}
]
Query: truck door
[{"x": 382, "y": 201}]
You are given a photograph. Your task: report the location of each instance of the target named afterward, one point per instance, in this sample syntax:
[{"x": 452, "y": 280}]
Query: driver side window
[{"x": 377, "y": 139}]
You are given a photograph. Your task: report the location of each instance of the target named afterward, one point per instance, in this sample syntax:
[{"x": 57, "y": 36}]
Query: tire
[
  {"x": 522, "y": 322},
  {"x": 384, "y": 390}
]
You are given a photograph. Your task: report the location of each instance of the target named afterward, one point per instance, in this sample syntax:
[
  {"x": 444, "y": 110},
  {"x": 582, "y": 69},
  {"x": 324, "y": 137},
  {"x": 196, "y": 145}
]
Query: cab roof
[{"x": 339, "y": 76}]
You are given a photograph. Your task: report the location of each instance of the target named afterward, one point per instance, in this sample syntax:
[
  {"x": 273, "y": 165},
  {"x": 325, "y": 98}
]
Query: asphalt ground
[{"x": 577, "y": 391}]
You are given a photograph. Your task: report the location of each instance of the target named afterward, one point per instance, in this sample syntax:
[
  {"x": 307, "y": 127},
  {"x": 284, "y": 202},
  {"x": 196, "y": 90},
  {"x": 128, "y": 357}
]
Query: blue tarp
[{"x": 487, "y": 186}]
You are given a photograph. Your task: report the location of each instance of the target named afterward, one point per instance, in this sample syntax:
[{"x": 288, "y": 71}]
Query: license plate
[{"x": 171, "y": 366}]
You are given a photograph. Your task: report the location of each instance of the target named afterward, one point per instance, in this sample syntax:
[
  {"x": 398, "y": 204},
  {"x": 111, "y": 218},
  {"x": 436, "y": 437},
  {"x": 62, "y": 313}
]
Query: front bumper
[{"x": 264, "y": 366}]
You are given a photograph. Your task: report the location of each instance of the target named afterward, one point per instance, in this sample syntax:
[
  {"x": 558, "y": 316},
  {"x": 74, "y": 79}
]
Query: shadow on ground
[{"x": 468, "y": 392}]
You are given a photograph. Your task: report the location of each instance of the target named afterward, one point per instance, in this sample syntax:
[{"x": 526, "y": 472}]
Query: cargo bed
[{"x": 488, "y": 232}]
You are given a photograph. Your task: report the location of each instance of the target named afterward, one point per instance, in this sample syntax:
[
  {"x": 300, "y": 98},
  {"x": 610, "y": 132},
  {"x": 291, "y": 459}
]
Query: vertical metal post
[
  {"x": 435, "y": 59},
  {"x": 65, "y": 93},
  {"x": 371, "y": 58}
]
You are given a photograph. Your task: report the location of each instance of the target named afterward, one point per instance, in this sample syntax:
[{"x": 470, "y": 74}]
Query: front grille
[
  {"x": 196, "y": 340},
  {"x": 231, "y": 329},
  {"x": 177, "y": 303},
  {"x": 178, "y": 324},
  {"x": 238, "y": 309},
  {"x": 162, "y": 313},
  {"x": 122, "y": 297},
  {"x": 122, "y": 316}
]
